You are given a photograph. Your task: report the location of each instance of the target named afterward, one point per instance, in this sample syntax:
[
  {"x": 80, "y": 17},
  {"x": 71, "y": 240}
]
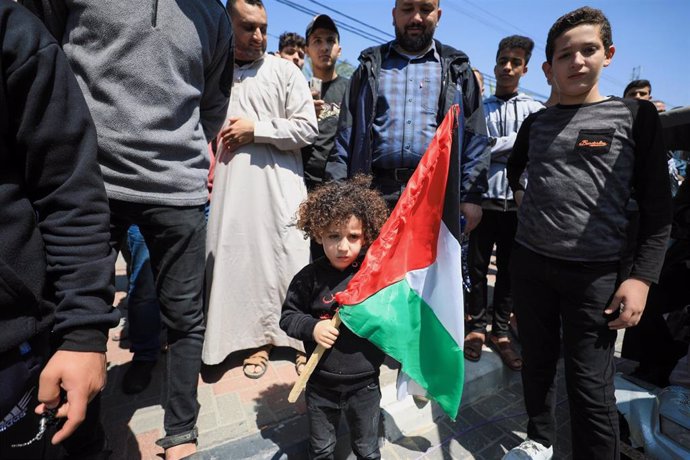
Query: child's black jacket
[{"x": 353, "y": 361}]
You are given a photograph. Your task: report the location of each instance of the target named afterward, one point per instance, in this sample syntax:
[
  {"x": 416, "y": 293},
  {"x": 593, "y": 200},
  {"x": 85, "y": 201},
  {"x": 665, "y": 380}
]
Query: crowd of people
[{"x": 246, "y": 196}]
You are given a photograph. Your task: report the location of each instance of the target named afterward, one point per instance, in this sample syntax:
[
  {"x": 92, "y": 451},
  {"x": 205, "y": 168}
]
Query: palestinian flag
[{"x": 407, "y": 297}]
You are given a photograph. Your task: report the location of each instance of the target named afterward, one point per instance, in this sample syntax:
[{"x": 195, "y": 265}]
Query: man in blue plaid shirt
[{"x": 397, "y": 97}]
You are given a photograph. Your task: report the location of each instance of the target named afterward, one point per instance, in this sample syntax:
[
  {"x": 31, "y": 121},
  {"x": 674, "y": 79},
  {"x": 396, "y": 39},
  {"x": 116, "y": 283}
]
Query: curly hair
[{"x": 335, "y": 202}]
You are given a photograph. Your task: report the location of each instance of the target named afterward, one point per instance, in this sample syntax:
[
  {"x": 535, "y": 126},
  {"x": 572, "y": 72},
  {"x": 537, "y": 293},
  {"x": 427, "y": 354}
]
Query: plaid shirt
[{"x": 406, "y": 109}]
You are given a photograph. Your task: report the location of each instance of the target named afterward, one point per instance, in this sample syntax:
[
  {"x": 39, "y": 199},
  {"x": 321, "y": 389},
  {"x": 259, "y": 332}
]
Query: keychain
[{"x": 48, "y": 418}]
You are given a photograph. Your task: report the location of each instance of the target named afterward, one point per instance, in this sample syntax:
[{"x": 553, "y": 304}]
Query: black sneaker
[{"x": 137, "y": 377}]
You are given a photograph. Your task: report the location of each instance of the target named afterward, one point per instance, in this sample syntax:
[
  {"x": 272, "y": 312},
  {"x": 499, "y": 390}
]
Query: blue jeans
[
  {"x": 362, "y": 411},
  {"x": 176, "y": 238},
  {"x": 143, "y": 311}
]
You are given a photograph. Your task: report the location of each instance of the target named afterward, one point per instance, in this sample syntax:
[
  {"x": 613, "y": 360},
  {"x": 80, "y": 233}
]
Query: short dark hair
[
  {"x": 637, "y": 84},
  {"x": 517, "y": 41},
  {"x": 290, "y": 39},
  {"x": 580, "y": 16},
  {"x": 231, "y": 3}
]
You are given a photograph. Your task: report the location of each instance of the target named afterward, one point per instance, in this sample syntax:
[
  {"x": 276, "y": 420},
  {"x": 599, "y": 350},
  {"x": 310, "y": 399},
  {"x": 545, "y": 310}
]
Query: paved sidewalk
[{"x": 244, "y": 418}]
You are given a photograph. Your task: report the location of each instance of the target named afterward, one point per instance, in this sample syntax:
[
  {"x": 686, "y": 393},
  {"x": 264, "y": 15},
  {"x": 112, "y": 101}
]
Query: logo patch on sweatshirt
[
  {"x": 594, "y": 141},
  {"x": 17, "y": 413}
]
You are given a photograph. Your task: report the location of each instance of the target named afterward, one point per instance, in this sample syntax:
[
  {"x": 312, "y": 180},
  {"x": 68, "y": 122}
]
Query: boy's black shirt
[
  {"x": 352, "y": 362},
  {"x": 584, "y": 162}
]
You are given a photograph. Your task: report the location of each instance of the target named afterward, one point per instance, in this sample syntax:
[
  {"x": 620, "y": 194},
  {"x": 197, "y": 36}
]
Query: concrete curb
[{"x": 288, "y": 438}]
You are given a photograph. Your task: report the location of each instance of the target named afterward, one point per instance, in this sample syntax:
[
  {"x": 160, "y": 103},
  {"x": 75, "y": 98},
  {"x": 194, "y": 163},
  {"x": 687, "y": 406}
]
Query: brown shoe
[
  {"x": 300, "y": 362},
  {"x": 472, "y": 348},
  {"x": 505, "y": 350}
]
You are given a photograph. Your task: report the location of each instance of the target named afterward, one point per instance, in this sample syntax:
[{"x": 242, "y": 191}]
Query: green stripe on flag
[{"x": 398, "y": 321}]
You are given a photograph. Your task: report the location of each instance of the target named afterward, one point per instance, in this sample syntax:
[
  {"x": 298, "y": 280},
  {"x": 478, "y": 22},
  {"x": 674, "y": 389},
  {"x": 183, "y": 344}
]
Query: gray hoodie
[
  {"x": 503, "y": 120},
  {"x": 156, "y": 77}
]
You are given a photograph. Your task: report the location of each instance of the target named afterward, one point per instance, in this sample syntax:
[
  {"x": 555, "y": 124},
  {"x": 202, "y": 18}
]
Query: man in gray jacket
[
  {"x": 156, "y": 77},
  {"x": 504, "y": 112}
]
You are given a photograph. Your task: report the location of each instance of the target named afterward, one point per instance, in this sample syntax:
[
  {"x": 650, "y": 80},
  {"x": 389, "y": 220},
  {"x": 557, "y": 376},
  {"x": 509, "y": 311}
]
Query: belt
[{"x": 401, "y": 175}]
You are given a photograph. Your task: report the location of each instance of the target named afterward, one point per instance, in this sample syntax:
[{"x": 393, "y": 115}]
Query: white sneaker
[{"x": 529, "y": 450}]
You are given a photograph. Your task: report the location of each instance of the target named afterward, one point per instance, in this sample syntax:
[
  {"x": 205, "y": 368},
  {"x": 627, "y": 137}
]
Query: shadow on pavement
[{"x": 118, "y": 409}]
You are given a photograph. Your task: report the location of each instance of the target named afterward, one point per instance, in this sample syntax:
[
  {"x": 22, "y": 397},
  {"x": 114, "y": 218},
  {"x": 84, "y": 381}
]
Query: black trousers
[
  {"x": 19, "y": 373},
  {"x": 551, "y": 294},
  {"x": 362, "y": 411},
  {"x": 176, "y": 238},
  {"x": 496, "y": 227}
]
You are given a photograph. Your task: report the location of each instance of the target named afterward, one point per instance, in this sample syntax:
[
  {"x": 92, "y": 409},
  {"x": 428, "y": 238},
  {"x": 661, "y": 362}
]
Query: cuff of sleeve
[
  {"x": 644, "y": 275},
  {"x": 262, "y": 131},
  {"x": 93, "y": 339},
  {"x": 474, "y": 198},
  {"x": 309, "y": 329},
  {"x": 520, "y": 188}
]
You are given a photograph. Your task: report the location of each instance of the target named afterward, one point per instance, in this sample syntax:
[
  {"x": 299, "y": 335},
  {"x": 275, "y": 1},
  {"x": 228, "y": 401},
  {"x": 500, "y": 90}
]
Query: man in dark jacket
[
  {"x": 397, "y": 97},
  {"x": 56, "y": 265},
  {"x": 157, "y": 82}
]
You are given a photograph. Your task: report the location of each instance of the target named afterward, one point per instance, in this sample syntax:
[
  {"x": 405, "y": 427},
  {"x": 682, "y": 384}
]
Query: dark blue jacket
[{"x": 353, "y": 148}]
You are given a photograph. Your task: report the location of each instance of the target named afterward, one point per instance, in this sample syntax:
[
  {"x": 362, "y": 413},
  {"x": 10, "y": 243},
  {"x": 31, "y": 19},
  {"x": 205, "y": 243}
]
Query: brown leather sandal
[
  {"x": 472, "y": 348},
  {"x": 505, "y": 350},
  {"x": 259, "y": 358},
  {"x": 300, "y": 362}
]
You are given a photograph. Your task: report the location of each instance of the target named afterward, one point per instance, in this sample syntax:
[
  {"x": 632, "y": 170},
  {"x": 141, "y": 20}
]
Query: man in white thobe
[{"x": 253, "y": 246}]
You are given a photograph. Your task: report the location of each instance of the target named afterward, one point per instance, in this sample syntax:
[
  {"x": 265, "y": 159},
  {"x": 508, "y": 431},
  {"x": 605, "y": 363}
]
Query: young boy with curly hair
[
  {"x": 585, "y": 157},
  {"x": 345, "y": 218}
]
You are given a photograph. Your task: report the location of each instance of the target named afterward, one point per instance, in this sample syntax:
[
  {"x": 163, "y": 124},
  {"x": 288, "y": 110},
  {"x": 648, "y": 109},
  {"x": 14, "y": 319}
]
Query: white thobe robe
[{"x": 253, "y": 246}]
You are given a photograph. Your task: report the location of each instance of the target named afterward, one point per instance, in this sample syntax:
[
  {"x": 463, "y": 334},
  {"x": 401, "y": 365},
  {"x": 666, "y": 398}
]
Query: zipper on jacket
[
  {"x": 502, "y": 125},
  {"x": 375, "y": 67},
  {"x": 154, "y": 13}
]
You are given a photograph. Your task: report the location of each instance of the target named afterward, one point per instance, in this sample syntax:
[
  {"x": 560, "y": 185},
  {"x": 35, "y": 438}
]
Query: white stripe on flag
[{"x": 440, "y": 285}]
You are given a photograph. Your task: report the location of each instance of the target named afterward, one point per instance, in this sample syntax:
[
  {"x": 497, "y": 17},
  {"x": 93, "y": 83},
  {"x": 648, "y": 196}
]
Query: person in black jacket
[
  {"x": 56, "y": 264},
  {"x": 157, "y": 82},
  {"x": 344, "y": 217},
  {"x": 382, "y": 133}
]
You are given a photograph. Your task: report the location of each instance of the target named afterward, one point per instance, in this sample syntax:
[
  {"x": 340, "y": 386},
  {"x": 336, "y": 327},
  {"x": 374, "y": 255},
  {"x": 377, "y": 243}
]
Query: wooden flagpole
[{"x": 301, "y": 383}]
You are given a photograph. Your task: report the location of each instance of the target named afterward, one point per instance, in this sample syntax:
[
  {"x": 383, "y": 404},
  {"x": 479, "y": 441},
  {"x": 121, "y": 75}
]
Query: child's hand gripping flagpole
[{"x": 311, "y": 365}]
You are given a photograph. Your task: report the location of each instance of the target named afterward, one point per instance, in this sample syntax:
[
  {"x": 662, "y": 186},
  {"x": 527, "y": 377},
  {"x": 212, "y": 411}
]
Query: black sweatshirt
[
  {"x": 352, "y": 362},
  {"x": 56, "y": 265},
  {"x": 583, "y": 164}
]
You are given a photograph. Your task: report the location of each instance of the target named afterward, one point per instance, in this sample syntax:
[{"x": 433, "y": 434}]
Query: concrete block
[
  {"x": 146, "y": 419},
  {"x": 230, "y": 409},
  {"x": 207, "y": 421},
  {"x": 226, "y": 435}
]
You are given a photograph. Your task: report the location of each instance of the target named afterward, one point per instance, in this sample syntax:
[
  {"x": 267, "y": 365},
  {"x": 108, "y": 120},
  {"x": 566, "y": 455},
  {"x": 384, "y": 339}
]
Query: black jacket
[
  {"x": 56, "y": 265},
  {"x": 352, "y": 361},
  {"x": 353, "y": 148}
]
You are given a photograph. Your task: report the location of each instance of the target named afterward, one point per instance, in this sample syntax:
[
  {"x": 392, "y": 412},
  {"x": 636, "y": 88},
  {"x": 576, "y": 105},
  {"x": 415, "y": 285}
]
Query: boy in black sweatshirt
[
  {"x": 584, "y": 156},
  {"x": 344, "y": 217}
]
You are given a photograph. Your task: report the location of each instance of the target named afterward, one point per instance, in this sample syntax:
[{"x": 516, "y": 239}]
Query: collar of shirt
[{"x": 429, "y": 54}]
